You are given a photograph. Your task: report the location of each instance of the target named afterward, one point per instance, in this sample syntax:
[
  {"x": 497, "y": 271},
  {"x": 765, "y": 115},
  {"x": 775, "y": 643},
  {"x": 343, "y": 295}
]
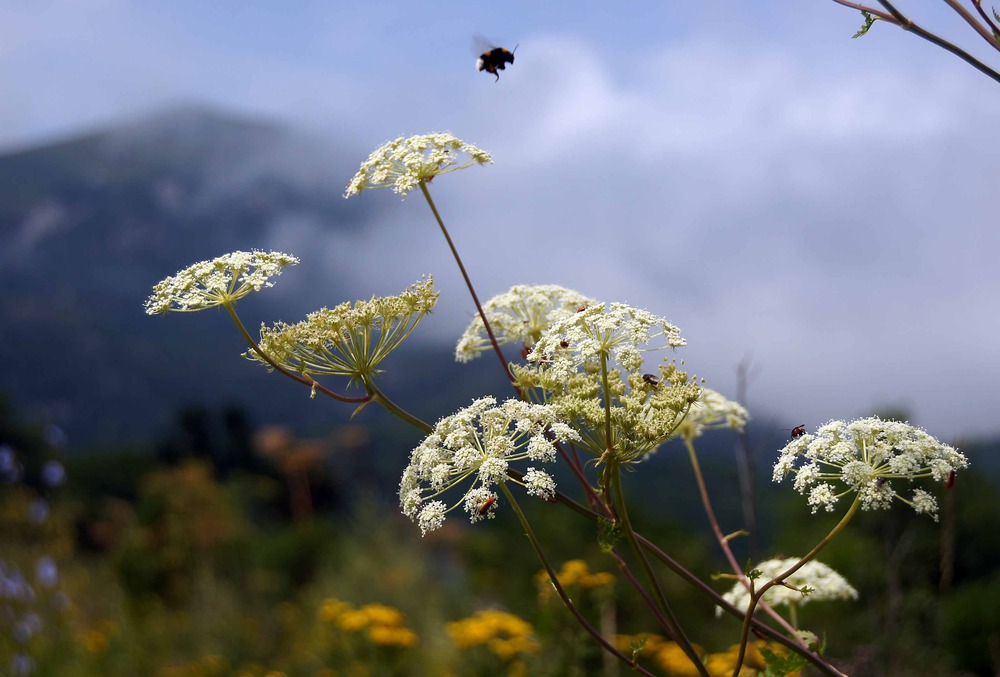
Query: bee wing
[{"x": 481, "y": 45}]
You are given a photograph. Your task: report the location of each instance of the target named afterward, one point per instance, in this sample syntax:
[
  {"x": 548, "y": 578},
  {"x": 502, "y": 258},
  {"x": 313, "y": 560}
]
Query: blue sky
[{"x": 773, "y": 187}]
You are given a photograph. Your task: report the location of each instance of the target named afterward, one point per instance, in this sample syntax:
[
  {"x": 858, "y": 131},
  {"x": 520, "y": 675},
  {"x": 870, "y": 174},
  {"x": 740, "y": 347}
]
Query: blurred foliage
[{"x": 197, "y": 563}]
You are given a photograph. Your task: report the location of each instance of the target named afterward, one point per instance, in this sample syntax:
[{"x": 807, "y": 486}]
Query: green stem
[
  {"x": 675, "y": 626},
  {"x": 309, "y": 381},
  {"x": 706, "y": 502},
  {"x": 607, "y": 405},
  {"x": 395, "y": 409},
  {"x": 554, "y": 579},
  {"x": 782, "y": 576},
  {"x": 472, "y": 290}
]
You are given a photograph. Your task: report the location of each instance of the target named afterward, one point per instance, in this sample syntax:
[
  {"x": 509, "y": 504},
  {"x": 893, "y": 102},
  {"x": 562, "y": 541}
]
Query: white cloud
[
  {"x": 838, "y": 229},
  {"x": 824, "y": 204}
]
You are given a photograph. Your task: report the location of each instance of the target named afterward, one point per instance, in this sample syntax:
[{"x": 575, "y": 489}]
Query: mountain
[{"x": 89, "y": 224}]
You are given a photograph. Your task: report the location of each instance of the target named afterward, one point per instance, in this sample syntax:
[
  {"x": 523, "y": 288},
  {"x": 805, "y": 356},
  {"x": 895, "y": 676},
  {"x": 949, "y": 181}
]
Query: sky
[{"x": 822, "y": 206}]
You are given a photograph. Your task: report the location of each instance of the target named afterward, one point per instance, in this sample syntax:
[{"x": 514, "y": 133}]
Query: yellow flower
[
  {"x": 508, "y": 648},
  {"x": 671, "y": 657},
  {"x": 573, "y": 572},
  {"x": 504, "y": 633},
  {"x": 599, "y": 580},
  {"x": 353, "y": 620},
  {"x": 390, "y": 636},
  {"x": 651, "y": 644},
  {"x": 93, "y": 641},
  {"x": 724, "y": 662},
  {"x": 332, "y": 609},
  {"x": 380, "y": 614}
]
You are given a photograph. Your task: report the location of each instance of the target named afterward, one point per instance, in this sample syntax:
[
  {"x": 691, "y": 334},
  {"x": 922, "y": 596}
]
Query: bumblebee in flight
[{"x": 495, "y": 59}]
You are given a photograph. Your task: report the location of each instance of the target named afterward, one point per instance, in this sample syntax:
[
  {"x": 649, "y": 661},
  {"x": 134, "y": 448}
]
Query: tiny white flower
[
  {"x": 519, "y": 316},
  {"x": 480, "y": 503},
  {"x": 348, "y": 340},
  {"x": 223, "y": 280},
  {"x": 404, "y": 163},
  {"x": 539, "y": 483},
  {"x": 431, "y": 516},
  {"x": 923, "y": 502},
  {"x": 605, "y": 330},
  {"x": 822, "y": 583},
  {"x": 864, "y": 457},
  {"x": 712, "y": 410},
  {"x": 476, "y": 445}
]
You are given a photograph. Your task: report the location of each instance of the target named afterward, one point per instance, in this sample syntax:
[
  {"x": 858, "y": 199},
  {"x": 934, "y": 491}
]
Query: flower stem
[
  {"x": 756, "y": 596},
  {"x": 554, "y": 579},
  {"x": 674, "y": 625},
  {"x": 395, "y": 409},
  {"x": 758, "y": 626},
  {"x": 724, "y": 542},
  {"x": 274, "y": 365},
  {"x": 698, "y": 584},
  {"x": 607, "y": 403},
  {"x": 468, "y": 283}
]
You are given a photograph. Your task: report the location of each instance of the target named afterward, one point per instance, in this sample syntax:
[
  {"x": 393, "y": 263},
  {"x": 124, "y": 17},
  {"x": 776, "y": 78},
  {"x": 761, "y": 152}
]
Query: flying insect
[{"x": 495, "y": 59}]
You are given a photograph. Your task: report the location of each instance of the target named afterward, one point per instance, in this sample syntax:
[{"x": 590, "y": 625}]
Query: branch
[{"x": 896, "y": 17}]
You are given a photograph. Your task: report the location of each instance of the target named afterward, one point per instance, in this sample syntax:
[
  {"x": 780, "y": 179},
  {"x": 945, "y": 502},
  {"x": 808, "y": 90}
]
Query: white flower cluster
[
  {"x": 711, "y": 411},
  {"x": 862, "y": 457},
  {"x": 349, "y": 339},
  {"x": 519, "y": 315},
  {"x": 586, "y": 360},
  {"x": 478, "y": 444},
  {"x": 224, "y": 280},
  {"x": 822, "y": 582},
  {"x": 404, "y": 163},
  {"x": 602, "y": 331}
]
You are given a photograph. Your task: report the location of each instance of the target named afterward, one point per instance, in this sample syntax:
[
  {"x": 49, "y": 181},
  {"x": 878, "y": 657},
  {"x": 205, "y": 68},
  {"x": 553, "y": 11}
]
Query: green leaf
[
  {"x": 638, "y": 644},
  {"x": 869, "y": 20},
  {"x": 781, "y": 663},
  {"x": 608, "y": 534}
]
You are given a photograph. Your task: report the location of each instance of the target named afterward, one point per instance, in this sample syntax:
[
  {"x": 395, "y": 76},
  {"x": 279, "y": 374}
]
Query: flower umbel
[
  {"x": 813, "y": 582},
  {"x": 221, "y": 281},
  {"x": 711, "y": 411},
  {"x": 519, "y": 315},
  {"x": 348, "y": 340},
  {"x": 478, "y": 443},
  {"x": 604, "y": 330},
  {"x": 588, "y": 364},
  {"x": 862, "y": 457},
  {"x": 404, "y": 163}
]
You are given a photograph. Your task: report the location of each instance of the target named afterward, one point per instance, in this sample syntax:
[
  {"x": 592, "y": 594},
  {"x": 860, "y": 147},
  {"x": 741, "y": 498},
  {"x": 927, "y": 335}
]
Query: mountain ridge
[{"x": 90, "y": 223}]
